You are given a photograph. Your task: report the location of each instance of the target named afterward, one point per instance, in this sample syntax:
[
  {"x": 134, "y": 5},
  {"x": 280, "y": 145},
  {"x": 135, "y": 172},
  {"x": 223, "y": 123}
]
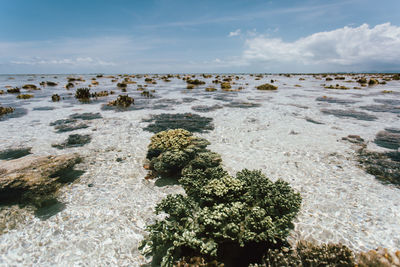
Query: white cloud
[
  {"x": 79, "y": 61},
  {"x": 234, "y": 33},
  {"x": 347, "y": 48}
]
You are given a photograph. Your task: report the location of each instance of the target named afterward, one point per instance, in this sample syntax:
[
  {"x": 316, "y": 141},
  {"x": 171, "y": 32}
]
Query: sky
[{"x": 202, "y": 36}]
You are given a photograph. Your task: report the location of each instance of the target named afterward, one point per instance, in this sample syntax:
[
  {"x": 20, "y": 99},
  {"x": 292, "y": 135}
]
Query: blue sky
[{"x": 163, "y": 36}]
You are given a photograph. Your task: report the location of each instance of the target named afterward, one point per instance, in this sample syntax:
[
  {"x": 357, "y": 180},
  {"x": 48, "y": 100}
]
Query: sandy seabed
[{"x": 103, "y": 224}]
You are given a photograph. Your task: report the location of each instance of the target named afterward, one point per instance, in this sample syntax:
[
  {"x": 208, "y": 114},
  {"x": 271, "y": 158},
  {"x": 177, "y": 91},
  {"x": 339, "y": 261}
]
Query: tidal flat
[{"x": 304, "y": 135}]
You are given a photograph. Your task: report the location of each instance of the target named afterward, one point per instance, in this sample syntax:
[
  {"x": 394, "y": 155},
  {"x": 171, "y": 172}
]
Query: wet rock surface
[
  {"x": 34, "y": 179},
  {"x": 187, "y": 121}
]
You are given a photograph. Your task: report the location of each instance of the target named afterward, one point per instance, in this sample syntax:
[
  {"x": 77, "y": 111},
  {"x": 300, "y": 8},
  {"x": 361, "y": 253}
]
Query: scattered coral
[
  {"x": 24, "y": 96},
  {"x": 122, "y": 101},
  {"x": 83, "y": 94},
  {"x": 55, "y": 98},
  {"x": 6, "y": 110},
  {"x": 195, "y": 82},
  {"x": 30, "y": 87},
  {"x": 225, "y": 85},
  {"x": 210, "y": 89},
  {"x": 15, "y": 90},
  {"x": 337, "y": 86},
  {"x": 267, "y": 87}
]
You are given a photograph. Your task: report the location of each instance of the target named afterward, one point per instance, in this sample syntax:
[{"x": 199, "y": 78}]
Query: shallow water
[{"x": 101, "y": 217}]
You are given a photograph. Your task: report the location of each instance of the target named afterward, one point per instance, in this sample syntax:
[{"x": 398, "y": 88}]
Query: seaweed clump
[
  {"x": 232, "y": 220},
  {"x": 267, "y": 87},
  {"x": 187, "y": 121},
  {"x": 122, "y": 101}
]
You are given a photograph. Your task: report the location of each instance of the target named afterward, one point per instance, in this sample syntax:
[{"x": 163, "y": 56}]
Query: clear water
[{"x": 103, "y": 224}]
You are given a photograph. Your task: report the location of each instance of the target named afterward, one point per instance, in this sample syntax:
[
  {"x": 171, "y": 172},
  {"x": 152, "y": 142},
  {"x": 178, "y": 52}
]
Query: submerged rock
[
  {"x": 205, "y": 108},
  {"x": 334, "y": 100},
  {"x": 74, "y": 140},
  {"x": 388, "y": 139},
  {"x": 349, "y": 114},
  {"x": 34, "y": 179},
  {"x": 14, "y": 153},
  {"x": 382, "y": 108},
  {"x": 187, "y": 121}
]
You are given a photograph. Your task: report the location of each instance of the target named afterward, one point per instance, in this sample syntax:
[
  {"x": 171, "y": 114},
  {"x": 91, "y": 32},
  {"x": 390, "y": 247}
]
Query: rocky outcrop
[{"x": 35, "y": 179}]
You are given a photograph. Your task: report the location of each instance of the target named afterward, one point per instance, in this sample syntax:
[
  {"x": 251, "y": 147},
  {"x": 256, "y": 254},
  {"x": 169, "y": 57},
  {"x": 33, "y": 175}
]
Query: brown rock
[{"x": 34, "y": 179}]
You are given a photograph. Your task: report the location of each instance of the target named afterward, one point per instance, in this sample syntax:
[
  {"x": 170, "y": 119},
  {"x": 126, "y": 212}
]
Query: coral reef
[{"x": 221, "y": 218}]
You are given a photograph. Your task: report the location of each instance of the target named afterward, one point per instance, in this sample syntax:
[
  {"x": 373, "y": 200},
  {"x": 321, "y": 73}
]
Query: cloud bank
[{"x": 345, "y": 49}]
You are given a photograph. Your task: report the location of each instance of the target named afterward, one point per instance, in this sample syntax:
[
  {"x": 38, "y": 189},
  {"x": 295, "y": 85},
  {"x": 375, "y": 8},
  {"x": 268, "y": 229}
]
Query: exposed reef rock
[{"x": 34, "y": 179}]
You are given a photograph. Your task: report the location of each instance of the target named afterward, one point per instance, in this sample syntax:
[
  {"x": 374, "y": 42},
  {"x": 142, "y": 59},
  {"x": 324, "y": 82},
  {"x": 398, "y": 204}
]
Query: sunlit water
[{"x": 103, "y": 224}]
